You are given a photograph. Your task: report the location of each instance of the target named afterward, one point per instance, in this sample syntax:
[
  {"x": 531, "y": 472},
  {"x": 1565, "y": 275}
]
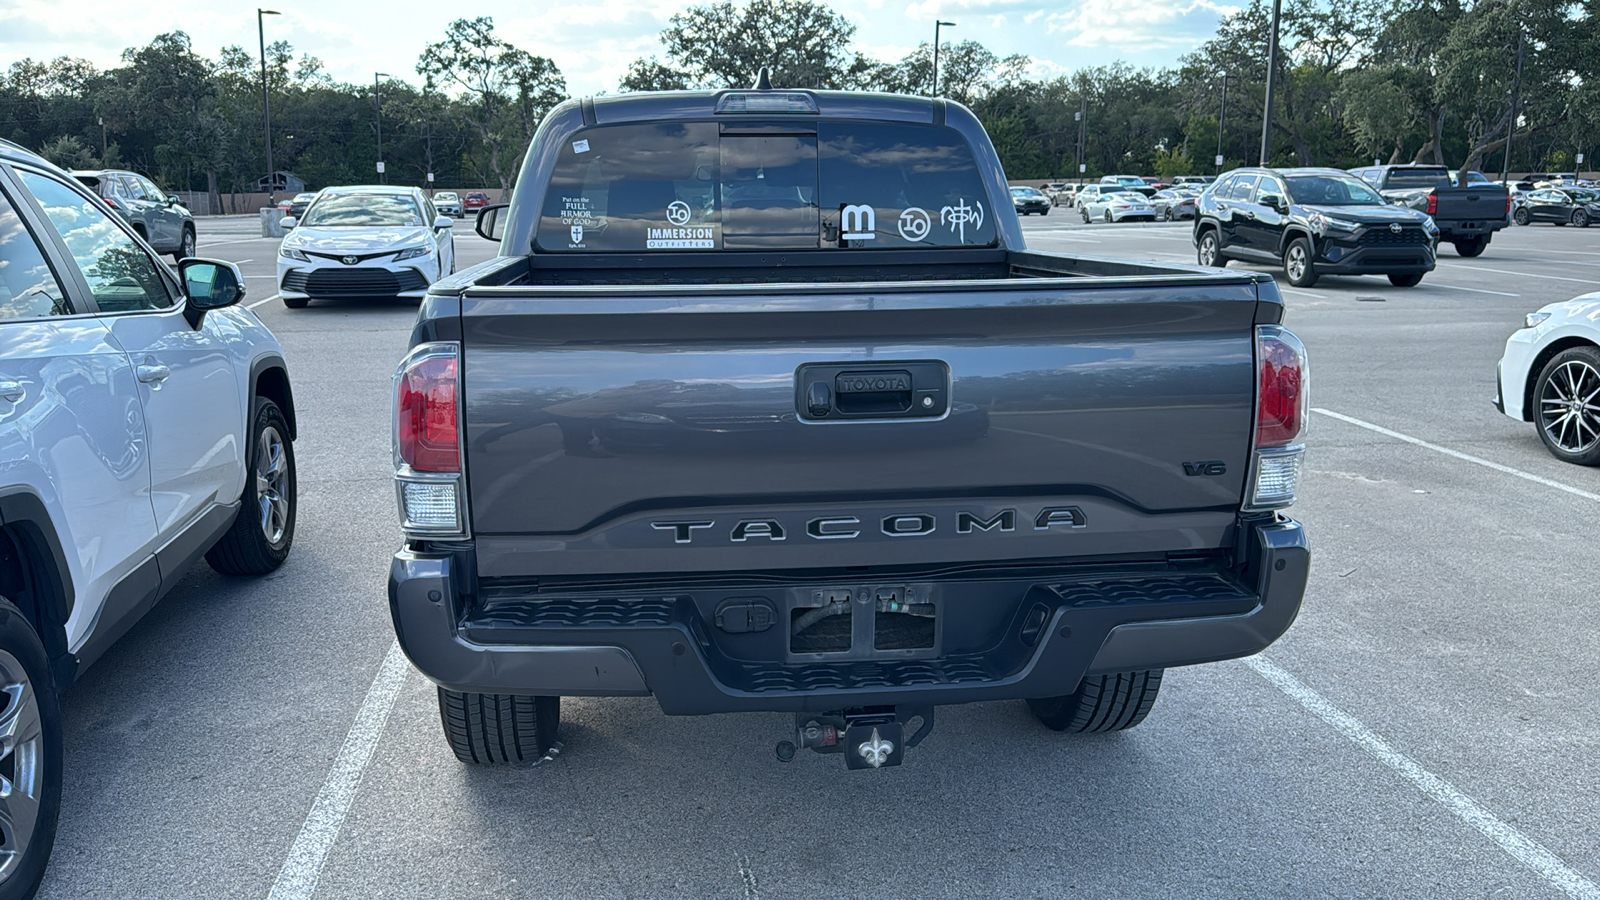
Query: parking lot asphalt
[{"x": 1426, "y": 729}]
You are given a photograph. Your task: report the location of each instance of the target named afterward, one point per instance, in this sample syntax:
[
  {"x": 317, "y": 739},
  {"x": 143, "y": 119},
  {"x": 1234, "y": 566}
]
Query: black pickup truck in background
[
  {"x": 1467, "y": 216},
  {"x": 764, "y": 406}
]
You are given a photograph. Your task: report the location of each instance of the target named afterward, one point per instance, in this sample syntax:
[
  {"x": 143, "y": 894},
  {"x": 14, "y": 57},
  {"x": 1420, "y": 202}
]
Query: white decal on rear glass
[
  {"x": 577, "y": 211},
  {"x": 914, "y": 224},
  {"x": 577, "y": 234},
  {"x": 580, "y": 146},
  {"x": 857, "y": 223},
  {"x": 961, "y": 215},
  {"x": 703, "y": 238},
  {"x": 678, "y": 212}
]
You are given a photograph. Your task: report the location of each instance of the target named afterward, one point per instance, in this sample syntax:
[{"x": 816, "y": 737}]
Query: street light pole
[
  {"x": 377, "y": 105},
  {"x": 266, "y": 110},
  {"x": 1222, "y": 121},
  {"x": 1082, "y": 115},
  {"x": 1516, "y": 98},
  {"x": 936, "y": 25},
  {"x": 1272, "y": 80}
]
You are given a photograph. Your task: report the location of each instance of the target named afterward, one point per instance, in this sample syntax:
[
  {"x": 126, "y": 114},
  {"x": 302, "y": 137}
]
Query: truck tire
[
  {"x": 1410, "y": 279},
  {"x": 1298, "y": 263},
  {"x": 30, "y": 710},
  {"x": 262, "y": 533},
  {"x": 488, "y": 729},
  {"x": 1101, "y": 703},
  {"x": 1470, "y": 246},
  {"x": 1568, "y": 432}
]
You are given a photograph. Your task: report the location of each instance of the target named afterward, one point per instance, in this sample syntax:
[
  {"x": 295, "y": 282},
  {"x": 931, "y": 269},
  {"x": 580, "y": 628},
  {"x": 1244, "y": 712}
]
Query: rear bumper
[{"x": 1050, "y": 630}]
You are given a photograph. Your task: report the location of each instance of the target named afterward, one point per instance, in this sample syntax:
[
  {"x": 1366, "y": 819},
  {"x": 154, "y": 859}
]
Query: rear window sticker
[
  {"x": 858, "y": 223},
  {"x": 958, "y": 217},
  {"x": 701, "y": 238},
  {"x": 678, "y": 212},
  {"x": 580, "y": 146},
  {"x": 577, "y": 211},
  {"x": 914, "y": 224}
]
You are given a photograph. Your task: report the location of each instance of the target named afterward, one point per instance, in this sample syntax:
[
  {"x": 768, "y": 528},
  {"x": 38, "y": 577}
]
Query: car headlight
[
  {"x": 1535, "y": 319},
  {"x": 1322, "y": 224},
  {"x": 413, "y": 252},
  {"x": 290, "y": 253}
]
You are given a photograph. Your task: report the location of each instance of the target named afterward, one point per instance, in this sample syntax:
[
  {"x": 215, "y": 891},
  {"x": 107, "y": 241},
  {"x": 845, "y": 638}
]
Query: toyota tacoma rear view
[{"x": 765, "y": 406}]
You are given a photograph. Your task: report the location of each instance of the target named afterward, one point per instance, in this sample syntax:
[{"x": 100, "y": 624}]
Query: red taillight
[
  {"x": 111, "y": 203},
  {"x": 1508, "y": 203},
  {"x": 1281, "y": 404},
  {"x": 1433, "y": 204},
  {"x": 425, "y": 413}
]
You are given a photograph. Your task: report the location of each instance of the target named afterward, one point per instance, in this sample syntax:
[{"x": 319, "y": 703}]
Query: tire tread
[
  {"x": 498, "y": 729},
  {"x": 1102, "y": 703}
]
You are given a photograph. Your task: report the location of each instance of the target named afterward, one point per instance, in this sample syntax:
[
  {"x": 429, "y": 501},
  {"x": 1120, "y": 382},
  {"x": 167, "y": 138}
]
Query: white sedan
[
  {"x": 1116, "y": 205},
  {"x": 364, "y": 242},
  {"x": 1550, "y": 376}
]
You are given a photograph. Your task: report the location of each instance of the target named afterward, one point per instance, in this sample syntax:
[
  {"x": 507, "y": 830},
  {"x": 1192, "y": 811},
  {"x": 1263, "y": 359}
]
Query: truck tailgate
[
  {"x": 1484, "y": 204},
  {"x": 661, "y": 429}
]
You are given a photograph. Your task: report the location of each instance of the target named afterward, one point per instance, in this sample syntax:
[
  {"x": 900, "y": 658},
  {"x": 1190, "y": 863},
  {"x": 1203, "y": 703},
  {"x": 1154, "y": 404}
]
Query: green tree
[
  {"x": 509, "y": 90},
  {"x": 802, "y": 43}
]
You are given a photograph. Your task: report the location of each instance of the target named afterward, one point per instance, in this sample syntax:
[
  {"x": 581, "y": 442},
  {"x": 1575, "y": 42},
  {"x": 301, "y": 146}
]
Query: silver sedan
[
  {"x": 1174, "y": 204},
  {"x": 1116, "y": 206}
]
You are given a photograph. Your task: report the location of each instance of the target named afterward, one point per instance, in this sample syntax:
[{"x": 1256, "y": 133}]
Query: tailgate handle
[{"x": 899, "y": 390}]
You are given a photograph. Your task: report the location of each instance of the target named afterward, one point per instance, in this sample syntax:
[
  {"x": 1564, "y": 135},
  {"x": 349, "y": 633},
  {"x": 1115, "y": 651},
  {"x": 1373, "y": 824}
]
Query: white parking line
[
  {"x": 1464, "y": 267},
  {"x": 1457, "y": 287},
  {"x": 261, "y": 301},
  {"x": 297, "y": 880},
  {"x": 239, "y": 241},
  {"x": 1522, "y": 848},
  {"x": 1289, "y": 290},
  {"x": 1476, "y": 460}
]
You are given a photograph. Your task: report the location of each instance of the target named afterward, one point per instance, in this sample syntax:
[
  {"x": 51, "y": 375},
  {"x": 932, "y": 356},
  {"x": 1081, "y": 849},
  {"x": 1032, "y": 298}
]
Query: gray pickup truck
[
  {"x": 1467, "y": 216},
  {"x": 764, "y": 406}
]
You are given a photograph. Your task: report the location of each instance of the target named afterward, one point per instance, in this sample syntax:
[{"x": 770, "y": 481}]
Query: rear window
[
  {"x": 688, "y": 186},
  {"x": 1424, "y": 178}
]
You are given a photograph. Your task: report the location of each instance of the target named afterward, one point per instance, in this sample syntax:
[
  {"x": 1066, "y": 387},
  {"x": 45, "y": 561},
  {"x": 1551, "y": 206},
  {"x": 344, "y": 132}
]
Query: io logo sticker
[
  {"x": 914, "y": 224},
  {"x": 857, "y": 223},
  {"x": 678, "y": 213},
  {"x": 961, "y": 215}
]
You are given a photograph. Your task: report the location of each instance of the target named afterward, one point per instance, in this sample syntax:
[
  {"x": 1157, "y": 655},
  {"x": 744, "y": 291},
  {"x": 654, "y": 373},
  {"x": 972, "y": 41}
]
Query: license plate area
[{"x": 865, "y": 621}]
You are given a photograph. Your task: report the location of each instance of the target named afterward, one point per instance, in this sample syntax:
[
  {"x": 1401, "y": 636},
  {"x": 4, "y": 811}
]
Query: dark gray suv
[{"x": 158, "y": 218}]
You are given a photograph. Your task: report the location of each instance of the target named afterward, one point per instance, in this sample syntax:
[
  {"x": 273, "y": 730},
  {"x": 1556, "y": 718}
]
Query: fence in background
[{"x": 199, "y": 203}]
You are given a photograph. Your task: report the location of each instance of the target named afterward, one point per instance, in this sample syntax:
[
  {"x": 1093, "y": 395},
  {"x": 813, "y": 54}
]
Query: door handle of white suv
[
  {"x": 10, "y": 391},
  {"x": 153, "y": 374}
]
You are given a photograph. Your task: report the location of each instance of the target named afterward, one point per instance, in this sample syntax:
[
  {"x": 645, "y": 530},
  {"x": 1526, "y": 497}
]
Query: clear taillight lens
[
  {"x": 1282, "y": 408},
  {"x": 427, "y": 442}
]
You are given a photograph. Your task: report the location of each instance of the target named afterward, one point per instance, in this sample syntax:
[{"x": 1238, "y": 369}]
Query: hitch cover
[{"x": 874, "y": 745}]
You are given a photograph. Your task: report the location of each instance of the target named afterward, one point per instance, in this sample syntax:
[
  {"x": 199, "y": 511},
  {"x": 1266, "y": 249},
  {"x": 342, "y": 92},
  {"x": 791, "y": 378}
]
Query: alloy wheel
[
  {"x": 21, "y": 761},
  {"x": 1296, "y": 262},
  {"x": 1208, "y": 249},
  {"x": 272, "y": 471},
  {"x": 188, "y": 244},
  {"x": 1569, "y": 406}
]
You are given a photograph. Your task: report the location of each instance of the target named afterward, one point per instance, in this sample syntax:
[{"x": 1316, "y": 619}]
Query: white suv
[{"x": 146, "y": 420}]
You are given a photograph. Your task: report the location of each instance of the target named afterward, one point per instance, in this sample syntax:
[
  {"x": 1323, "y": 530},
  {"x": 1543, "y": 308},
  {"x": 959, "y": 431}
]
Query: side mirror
[
  {"x": 1273, "y": 201},
  {"x": 491, "y": 221},
  {"x": 210, "y": 284},
  {"x": 287, "y": 222},
  {"x": 443, "y": 223}
]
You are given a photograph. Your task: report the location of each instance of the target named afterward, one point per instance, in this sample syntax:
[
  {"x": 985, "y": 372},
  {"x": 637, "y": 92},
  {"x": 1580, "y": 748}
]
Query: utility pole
[
  {"x": 1082, "y": 115},
  {"x": 377, "y": 105},
  {"x": 1272, "y": 80},
  {"x": 1222, "y": 121},
  {"x": 266, "y": 110},
  {"x": 1516, "y": 98},
  {"x": 936, "y": 25}
]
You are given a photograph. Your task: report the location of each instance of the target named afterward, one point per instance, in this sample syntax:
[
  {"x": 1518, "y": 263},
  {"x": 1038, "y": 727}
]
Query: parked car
[
  {"x": 1174, "y": 204},
  {"x": 1062, "y": 194},
  {"x": 1473, "y": 177},
  {"x": 474, "y": 200},
  {"x": 448, "y": 203},
  {"x": 1199, "y": 181},
  {"x": 146, "y": 421},
  {"x": 159, "y": 219},
  {"x": 1027, "y": 200},
  {"x": 1313, "y": 222},
  {"x": 1135, "y": 523},
  {"x": 1550, "y": 376},
  {"x": 364, "y": 242},
  {"x": 1114, "y": 203},
  {"x": 299, "y": 202},
  {"x": 1467, "y": 216},
  {"x": 1131, "y": 182},
  {"x": 1578, "y": 206}
]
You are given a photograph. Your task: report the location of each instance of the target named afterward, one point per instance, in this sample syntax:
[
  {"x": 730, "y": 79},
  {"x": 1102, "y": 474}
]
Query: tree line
[{"x": 1456, "y": 82}]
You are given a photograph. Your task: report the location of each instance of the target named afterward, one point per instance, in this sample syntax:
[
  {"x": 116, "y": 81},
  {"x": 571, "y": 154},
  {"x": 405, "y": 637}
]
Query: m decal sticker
[{"x": 858, "y": 223}]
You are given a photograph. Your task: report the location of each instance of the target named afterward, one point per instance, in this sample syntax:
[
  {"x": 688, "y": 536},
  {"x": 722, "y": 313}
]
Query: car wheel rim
[
  {"x": 1569, "y": 407},
  {"x": 272, "y": 478},
  {"x": 21, "y": 759},
  {"x": 1297, "y": 263},
  {"x": 188, "y": 245}
]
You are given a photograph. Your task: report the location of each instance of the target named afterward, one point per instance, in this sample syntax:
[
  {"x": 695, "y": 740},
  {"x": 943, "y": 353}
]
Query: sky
[{"x": 592, "y": 42}]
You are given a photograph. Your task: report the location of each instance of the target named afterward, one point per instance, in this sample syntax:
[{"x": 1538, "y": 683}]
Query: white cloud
[{"x": 1118, "y": 22}]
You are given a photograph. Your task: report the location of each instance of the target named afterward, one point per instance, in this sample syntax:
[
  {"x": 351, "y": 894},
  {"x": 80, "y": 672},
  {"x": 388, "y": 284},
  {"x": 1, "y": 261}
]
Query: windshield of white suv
[
  {"x": 1331, "y": 190},
  {"x": 362, "y": 210}
]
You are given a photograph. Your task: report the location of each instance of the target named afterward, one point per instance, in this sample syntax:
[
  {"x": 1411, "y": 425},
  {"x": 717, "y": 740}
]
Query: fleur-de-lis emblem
[{"x": 876, "y": 751}]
